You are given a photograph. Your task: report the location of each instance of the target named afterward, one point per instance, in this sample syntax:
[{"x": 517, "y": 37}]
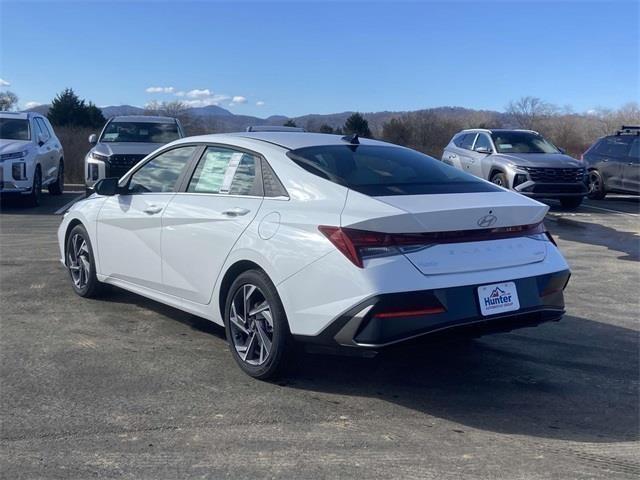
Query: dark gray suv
[{"x": 613, "y": 163}]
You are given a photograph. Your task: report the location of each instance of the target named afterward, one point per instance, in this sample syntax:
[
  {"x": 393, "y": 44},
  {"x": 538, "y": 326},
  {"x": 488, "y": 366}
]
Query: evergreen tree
[{"x": 357, "y": 124}]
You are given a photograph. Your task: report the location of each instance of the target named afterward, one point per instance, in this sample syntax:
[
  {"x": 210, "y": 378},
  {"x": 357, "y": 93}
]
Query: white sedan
[{"x": 291, "y": 236}]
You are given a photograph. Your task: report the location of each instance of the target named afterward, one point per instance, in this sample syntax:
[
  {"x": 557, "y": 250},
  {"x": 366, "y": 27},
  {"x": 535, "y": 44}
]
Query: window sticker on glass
[
  {"x": 506, "y": 146},
  {"x": 231, "y": 171}
]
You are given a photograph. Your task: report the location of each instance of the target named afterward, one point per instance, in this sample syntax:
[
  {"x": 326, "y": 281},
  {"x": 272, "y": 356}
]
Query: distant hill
[{"x": 222, "y": 120}]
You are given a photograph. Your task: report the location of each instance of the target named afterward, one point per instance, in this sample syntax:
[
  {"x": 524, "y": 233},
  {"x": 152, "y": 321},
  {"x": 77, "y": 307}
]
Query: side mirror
[
  {"x": 107, "y": 186},
  {"x": 93, "y": 139},
  {"x": 484, "y": 150},
  {"x": 41, "y": 139}
]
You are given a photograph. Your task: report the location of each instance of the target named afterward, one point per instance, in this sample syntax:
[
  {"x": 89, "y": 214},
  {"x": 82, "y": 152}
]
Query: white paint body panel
[{"x": 180, "y": 256}]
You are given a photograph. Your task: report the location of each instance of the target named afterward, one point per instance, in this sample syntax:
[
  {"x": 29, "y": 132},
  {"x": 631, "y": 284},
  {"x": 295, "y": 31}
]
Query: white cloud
[
  {"x": 196, "y": 93},
  {"x": 239, "y": 99},
  {"x": 206, "y": 101},
  {"x": 160, "y": 90},
  {"x": 4, "y": 83},
  {"x": 181, "y": 93},
  {"x": 32, "y": 104},
  {"x": 259, "y": 103}
]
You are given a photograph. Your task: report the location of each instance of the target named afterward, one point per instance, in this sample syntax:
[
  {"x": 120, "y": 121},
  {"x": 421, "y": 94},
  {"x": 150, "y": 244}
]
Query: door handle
[
  {"x": 236, "y": 212},
  {"x": 152, "y": 209}
]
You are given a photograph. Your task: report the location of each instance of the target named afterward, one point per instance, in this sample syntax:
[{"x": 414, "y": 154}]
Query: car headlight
[
  {"x": 99, "y": 156},
  {"x": 14, "y": 155}
]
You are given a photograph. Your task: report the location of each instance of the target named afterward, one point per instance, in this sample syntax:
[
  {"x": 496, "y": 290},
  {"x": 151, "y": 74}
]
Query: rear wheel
[
  {"x": 36, "y": 188},
  {"x": 57, "y": 187},
  {"x": 597, "y": 190},
  {"x": 81, "y": 264},
  {"x": 571, "y": 202},
  {"x": 256, "y": 325},
  {"x": 500, "y": 179}
]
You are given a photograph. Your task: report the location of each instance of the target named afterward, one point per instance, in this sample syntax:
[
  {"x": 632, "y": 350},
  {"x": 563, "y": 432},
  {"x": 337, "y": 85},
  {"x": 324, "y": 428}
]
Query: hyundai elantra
[{"x": 288, "y": 236}]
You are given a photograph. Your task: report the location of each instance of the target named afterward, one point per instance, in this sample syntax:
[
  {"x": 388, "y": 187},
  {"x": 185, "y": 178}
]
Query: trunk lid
[{"x": 462, "y": 213}]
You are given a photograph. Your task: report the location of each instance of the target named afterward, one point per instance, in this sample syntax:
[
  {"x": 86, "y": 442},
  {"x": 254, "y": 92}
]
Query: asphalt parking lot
[{"x": 123, "y": 387}]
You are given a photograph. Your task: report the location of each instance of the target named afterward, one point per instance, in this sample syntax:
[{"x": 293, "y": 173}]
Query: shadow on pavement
[
  {"x": 49, "y": 204},
  {"x": 576, "y": 379}
]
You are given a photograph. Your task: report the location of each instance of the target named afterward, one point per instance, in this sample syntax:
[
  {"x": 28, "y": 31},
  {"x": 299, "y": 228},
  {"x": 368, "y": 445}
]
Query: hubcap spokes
[
  {"x": 251, "y": 325},
  {"x": 78, "y": 261}
]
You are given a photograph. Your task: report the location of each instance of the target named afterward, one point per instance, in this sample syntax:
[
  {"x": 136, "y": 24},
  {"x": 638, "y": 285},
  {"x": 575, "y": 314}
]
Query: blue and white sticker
[{"x": 498, "y": 298}]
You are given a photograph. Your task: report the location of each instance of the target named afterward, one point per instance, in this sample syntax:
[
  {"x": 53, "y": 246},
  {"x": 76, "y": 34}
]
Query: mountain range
[{"x": 222, "y": 120}]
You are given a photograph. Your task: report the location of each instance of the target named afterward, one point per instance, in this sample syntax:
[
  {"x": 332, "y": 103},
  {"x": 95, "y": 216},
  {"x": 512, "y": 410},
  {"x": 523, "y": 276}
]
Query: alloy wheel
[
  {"x": 251, "y": 325},
  {"x": 79, "y": 261},
  {"x": 594, "y": 183}
]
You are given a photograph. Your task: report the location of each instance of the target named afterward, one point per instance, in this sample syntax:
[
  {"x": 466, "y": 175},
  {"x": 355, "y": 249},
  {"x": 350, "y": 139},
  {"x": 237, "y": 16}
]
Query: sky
[{"x": 293, "y": 58}]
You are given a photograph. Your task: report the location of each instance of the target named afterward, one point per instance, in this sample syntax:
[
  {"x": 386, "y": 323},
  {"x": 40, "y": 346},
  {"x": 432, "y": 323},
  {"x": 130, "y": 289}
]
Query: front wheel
[
  {"x": 57, "y": 187},
  {"x": 500, "y": 179},
  {"x": 571, "y": 202},
  {"x": 256, "y": 325},
  {"x": 36, "y": 188},
  {"x": 81, "y": 264}
]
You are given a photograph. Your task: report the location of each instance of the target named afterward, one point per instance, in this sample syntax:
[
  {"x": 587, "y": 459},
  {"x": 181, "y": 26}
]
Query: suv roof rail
[
  {"x": 629, "y": 130},
  {"x": 273, "y": 128}
]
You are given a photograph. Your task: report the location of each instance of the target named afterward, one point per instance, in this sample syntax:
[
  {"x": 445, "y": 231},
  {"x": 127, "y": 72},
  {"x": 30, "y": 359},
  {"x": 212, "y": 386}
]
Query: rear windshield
[
  {"x": 522, "y": 142},
  {"x": 14, "y": 129},
  {"x": 386, "y": 170},
  {"x": 142, "y": 132}
]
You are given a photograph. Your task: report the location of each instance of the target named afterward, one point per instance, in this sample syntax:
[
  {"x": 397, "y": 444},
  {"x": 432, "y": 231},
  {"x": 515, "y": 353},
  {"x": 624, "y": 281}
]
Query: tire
[
  {"x": 36, "y": 188},
  {"x": 57, "y": 187},
  {"x": 500, "y": 179},
  {"x": 571, "y": 203},
  {"x": 597, "y": 188},
  {"x": 254, "y": 355},
  {"x": 83, "y": 276}
]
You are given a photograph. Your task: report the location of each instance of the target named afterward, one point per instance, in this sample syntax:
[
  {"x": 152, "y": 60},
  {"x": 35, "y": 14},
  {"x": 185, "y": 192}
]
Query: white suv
[{"x": 30, "y": 156}]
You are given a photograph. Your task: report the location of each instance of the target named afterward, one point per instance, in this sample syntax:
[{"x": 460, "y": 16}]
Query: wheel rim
[
  {"x": 251, "y": 325},
  {"x": 594, "y": 183},
  {"x": 497, "y": 181},
  {"x": 79, "y": 261}
]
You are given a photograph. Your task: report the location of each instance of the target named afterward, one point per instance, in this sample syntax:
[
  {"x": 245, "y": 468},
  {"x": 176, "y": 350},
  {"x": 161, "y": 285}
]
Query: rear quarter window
[{"x": 378, "y": 170}]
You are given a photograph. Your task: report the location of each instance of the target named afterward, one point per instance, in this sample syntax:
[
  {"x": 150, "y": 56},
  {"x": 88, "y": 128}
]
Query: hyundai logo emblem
[{"x": 487, "y": 221}]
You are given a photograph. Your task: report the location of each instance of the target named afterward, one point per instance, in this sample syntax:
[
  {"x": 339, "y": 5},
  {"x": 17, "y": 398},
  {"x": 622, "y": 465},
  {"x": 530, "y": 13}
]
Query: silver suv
[
  {"x": 520, "y": 160},
  {"x": 123, "y": 142}
]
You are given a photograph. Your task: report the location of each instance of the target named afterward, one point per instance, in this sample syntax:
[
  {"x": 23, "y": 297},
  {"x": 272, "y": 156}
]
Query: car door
[
  {"x": 128, "y": 229},
  {"x": 201, "y": 225},
  {"x": 610, "y": 155},
  {"x": 631, "y": 169},
  {"x": 46, "y": 152},
  {"x": 477, "y": 167},
  {"x": 466, "y": 154}
]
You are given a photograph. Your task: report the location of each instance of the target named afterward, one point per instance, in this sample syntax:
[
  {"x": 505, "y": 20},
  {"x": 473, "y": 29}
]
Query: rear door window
[
  {"x": 468, "y": 141},
  {"x": 615, "y": 147},
  {"x": 378, "y": 170}
]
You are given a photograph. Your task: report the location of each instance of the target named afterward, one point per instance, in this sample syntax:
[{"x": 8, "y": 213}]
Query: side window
[
  {"x": 161, "y": 173},
  {"x": 227, "y": 171},
  {"x": 468, "y": 141},
  {"x": 43, "y": 128},
  {"x": 614, "y": 146},
  {"x": 634, "y": 150},
  {"x": 457, "y": 141},
  {"x": 483, "y": 141}
]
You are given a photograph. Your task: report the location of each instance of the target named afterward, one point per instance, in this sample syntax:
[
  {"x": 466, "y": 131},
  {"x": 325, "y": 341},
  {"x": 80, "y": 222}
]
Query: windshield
[
  {"x": 522, "y": 142},
  {"x": 386, "y": 170},
  {"x": 14, "y": 129},
  {"x": 142, "y": 132}
]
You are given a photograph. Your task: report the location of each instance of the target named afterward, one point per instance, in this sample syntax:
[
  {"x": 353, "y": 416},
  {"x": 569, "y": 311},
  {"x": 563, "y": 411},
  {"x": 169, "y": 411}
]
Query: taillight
[{"x": 359, "y": 244}]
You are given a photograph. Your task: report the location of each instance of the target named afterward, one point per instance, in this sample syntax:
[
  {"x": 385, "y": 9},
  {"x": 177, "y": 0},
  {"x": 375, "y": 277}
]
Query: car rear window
[{"x": 377, "y": 170}]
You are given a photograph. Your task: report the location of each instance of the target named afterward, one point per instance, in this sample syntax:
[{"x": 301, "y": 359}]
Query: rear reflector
[
  {"x": 410, "y": 313},
  {"x": 358, "y": 244}
]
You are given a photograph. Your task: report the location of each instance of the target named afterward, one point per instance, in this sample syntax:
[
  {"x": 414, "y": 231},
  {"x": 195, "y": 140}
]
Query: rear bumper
[{"x": 456, "y": 310}]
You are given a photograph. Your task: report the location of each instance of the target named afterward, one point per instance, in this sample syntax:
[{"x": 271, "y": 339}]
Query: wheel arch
[
  {"x": 72, "y": 224},
  {"x": 495, "y": 170},
  {"x": 230, "y": 275}
]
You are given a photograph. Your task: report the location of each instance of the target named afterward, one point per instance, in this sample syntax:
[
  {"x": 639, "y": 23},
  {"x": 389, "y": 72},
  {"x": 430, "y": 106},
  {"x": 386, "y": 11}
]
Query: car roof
[
  {"x": 143, "y": 119},
  {"x": 492, "y": 130},
  {"x": 18, "y": 115},
  {"x": 295, "y": 140}
]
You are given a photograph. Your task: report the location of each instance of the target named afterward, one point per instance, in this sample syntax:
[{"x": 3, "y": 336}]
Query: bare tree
[
  {"x": 528, "y": 111},
  {"x": 8, "y": 101}
]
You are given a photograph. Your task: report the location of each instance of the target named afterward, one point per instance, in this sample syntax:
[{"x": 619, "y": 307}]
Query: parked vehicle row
[
  {"x": 31, "y": 157},
  {"x": 287, "y": 237}
]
